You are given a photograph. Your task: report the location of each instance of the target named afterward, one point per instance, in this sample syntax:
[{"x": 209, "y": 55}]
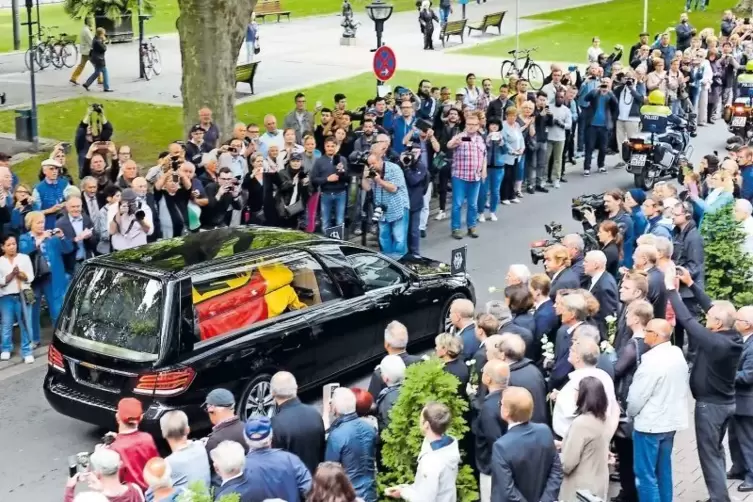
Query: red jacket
[{"x": 135, "y": 450}]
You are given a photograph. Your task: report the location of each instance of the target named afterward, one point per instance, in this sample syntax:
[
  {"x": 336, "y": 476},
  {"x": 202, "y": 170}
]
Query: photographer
[
  {"x": 416, "y": 175},
  {"x": 630, "y": 96},
  {"x": 231, "y": 156},
  {"x": 95, "y": 165},
  {"x": 131, "y": 224},
  {"x": 391, "y": 204},
  {"x": 330, "y": 175},
  {"x": 93, "y": 128},
  {"x": 224, "y": 196},
  {"x": 599, "y": 120},
  {"x": 291, "y": 192},
  {"x": 103, "y": 477},
  {"x": 614, "y": 201},
  {"x": 365, "y": 138}
]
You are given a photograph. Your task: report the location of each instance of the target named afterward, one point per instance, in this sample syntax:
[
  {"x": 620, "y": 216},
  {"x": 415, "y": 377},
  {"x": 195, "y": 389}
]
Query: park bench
[
  {"x": 246, "y": 73},
  {"x": 490, "y": 20},
  {"x": 450, "y": 28},
  {"x": 270, "y": 8}
]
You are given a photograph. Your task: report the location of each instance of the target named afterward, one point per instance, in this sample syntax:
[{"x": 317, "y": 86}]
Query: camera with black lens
[
  {"x": 589, "y": 202},
  {"x": 96, "y": 107},
  {"x": 174, "y": 163},
  {"x": 359, "y": 158},
  {"x": 372, "y": 172},
  {"x": 630, "y": 81},
  {"x": 378, "y": 213},
  {"x": 134, "y": 209},
  {"x": 407, "y": 160},
  {"x": 538, "y": 248}
]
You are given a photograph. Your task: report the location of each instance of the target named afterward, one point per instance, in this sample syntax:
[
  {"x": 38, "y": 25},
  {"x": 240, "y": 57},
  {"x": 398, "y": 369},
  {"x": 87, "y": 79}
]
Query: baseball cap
[
  {"x": 197, "y": 127},
  {"x": 128, "y": 195},
  {"x": 460, "y": 92},
  {"x": 296, "y": 156},
  {"x": 371, "y": 111},
  {"x": 129, "y": 410},
  {"x": 258, "y": 429},
  {"x": 220, "y": 397}
]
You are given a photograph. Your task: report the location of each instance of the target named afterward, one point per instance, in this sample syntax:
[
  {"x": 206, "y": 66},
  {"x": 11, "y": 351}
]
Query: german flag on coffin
[{"x": 244, "y": 299}]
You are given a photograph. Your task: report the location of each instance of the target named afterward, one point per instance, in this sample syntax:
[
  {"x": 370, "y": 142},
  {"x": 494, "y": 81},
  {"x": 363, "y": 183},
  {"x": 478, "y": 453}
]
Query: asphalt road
[{"x": 35, "y": 441}]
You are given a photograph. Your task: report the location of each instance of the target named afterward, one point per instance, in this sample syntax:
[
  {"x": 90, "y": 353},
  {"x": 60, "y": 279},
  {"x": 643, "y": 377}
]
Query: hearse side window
[
  {"x": 374, "y": 271},
  {"x": 237, "y": 298},
  {"x": 115, "y": 313}
]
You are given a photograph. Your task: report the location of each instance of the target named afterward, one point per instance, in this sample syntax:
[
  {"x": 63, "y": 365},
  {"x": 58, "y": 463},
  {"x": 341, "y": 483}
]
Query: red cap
[{"x": 130, "y": 410}]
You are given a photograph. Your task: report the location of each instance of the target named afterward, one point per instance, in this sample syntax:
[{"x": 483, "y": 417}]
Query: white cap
[
  {"x": 460, "y": 91},
  {"x": 51, "y": 162}
]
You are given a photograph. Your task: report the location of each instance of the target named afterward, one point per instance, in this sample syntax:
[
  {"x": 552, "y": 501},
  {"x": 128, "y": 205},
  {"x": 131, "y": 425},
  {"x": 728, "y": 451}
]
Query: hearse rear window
[
  {"x": 114, "y": 313},
  {"x": 239, "y": 297}
]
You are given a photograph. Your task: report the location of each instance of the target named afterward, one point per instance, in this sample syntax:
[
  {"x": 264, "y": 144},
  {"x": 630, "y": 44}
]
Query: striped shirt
[{"x": 469, "y": 158}]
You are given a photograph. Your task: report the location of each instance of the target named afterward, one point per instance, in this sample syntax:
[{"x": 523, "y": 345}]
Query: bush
[
  {"x": 729, "y": 270},
  {"x": 401, "y": 441},
  {"x": 197, "y": 492}
]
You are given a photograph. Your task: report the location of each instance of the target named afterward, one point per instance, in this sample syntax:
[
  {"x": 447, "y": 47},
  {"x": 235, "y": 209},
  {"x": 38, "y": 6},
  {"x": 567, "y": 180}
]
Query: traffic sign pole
[{"x": 384, "y": 64}]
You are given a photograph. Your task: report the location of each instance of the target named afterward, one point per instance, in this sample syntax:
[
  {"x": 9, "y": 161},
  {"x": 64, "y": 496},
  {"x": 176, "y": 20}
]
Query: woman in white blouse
[{"x": 16, "y": 274}]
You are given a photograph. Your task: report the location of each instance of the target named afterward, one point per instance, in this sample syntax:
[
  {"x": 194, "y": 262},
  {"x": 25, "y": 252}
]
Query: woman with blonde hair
[
  {"x": 721, "y": 187},
  {"x": 657, "y": 79},
  {"x": 449, "y": 349},
  {"x": 97, "y": 59},
  {"x": 22, "y": 207}
]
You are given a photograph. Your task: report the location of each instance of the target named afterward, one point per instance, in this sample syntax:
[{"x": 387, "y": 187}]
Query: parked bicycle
[
  {"x": 151, "y": 59},
  {"x": 530, "y": 70},
  {"x": 50, "y": 49}
]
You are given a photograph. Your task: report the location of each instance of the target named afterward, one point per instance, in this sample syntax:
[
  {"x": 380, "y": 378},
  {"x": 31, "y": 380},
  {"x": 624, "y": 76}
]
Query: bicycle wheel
[
  {"x": 56, "y": 55},
  {"x": 146, "y": 60},
  {"x": 69, "y": 54},
  {"x": 28, "y": 57},
  {"x": 535, "y": 76},
  {"x": 156, "y": 61},
  {"x": 42, "y": 55},
  {"x": 508, "y": 69}
]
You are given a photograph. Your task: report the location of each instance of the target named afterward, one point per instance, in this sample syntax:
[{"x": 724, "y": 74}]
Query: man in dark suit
[
  {"x": 525, "y": 463},
  {"x": 741, "y": 426},
  {"x": 488, "y": 426},
  {"x": 229, "y": 461},
  {"x": 298, "y": 428},
  {"x": 78, "y": 229},
  {"x": 603, "y": 287},
  {"x": 573, "y": 312},
  {"x": 576, "y": 247},
  {"x": 525, "y": 374},
  {"x": 544, "y": 315},
  {"x": 89, "y": 196},
  {"x": 395, "y": 343},
  {"x": 557, "y": 263},
  {"x": 634, "y": 286},
  {"x": 644, "y": 259},
  {"x": 461, "y": 316}
]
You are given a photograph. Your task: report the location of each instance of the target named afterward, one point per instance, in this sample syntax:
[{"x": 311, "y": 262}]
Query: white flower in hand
[
  {"x": 425, "y": 357},
  {"x": 471, "y": 389},
  {"x": 471, "y": 362},
  {"x": 610, "y": 319},
  {"x": 494, "y": 289}
]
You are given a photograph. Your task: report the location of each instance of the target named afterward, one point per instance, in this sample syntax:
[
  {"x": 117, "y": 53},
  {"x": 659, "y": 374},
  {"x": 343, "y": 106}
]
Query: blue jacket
[
  {"x": 352, "y": 442},
  {"x": 470, "y": 342},
  {"x": 546, "y": 321},
  {"x": 241, "y": 486},
  {"x": 667, "y": 53},
  {"x": 47, "y": 195},
  {"x": 640, "y": 222},
  {"x": 53, "y": 249},
  {"x": 399, "y": 130},
  {"x": 658, "y": 228},
  {"x": 416, "y": 180},
  {"x": 702, "y": 208},
  {"x": 746, "y": 188},
  {"x": 276, "y": 474}
]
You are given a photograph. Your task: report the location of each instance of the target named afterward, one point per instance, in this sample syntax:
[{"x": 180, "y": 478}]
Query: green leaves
[
  {"x": 401, "y": 442},
  {"x": 82, "y": 9},
  {"x": 729, "y": 270}
]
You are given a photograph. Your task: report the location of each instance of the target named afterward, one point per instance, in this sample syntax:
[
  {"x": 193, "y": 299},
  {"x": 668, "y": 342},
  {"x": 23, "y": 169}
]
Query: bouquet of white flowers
[{"x": 547, "y": 350}]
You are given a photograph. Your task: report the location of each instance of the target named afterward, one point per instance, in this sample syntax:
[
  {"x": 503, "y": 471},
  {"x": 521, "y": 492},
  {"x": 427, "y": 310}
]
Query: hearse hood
[{"x": 425, "y": 267}]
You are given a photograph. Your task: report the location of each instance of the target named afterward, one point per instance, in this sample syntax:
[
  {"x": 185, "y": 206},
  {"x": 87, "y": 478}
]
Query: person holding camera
[
  {"x": 231, "y": 157},
  {"x": 560, "y": 121},
  {"x": 391, "y": 204},
  {"x": 330, "y": 176},
  {"x": 132, "y": 223},
  {"x": 416, "y": 173},
  {"x": 103, "y": 478},
  {"x": 224, "y": 197},
  {"x": 630, "y": 95},
  {"x": 48, "y": 194},
  {"x": 93, "y": 128},
  {"x": 22, "y": 205},
  {"x": 602, "y": 106},
  {"x": 95, "y": 164}
]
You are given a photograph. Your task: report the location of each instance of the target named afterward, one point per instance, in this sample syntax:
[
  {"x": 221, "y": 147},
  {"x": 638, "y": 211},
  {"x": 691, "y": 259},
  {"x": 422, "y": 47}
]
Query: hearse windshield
[{"x": 114, "y": 313}]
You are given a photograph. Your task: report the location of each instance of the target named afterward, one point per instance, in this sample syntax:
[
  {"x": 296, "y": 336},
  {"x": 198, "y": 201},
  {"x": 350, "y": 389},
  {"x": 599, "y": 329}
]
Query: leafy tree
[
  {"x": 83, "y": 9},
  {"x": 424, "y": 382},
  {"x": 729, "y": 270},
  {"x": 197, "y": 492}
]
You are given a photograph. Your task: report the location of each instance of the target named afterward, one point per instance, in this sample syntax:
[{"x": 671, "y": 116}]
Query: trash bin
[{"x": 26, "y": 125}]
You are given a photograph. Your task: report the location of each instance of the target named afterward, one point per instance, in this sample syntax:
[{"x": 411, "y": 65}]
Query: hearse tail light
[
  {"x": 55, "y": 359},
  {"x": 165, "y": 383}
]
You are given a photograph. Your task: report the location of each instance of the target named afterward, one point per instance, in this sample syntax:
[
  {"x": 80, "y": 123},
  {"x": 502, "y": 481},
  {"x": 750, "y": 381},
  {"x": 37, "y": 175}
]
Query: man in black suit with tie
[
  {"x": 741, "y": 426},
  {"x": 544, "y": 315},
  {"x": 603, "y": 287},
  {"x": 644, "y": 260},
  {"x": 557, "y": 263},
  {"x": 524, "y": 373},
  {"x": 461, "y": 317},
  {"x": 634, "y": 286},
  {"x": 488, "y": 426},
  {"x": 525, "y": 463},
  {"x": 576, "y": 247},
  {"x": 395, "y": 343},
  {"x": 486, "y": 325},
  {"x": 78, "y": 229}
]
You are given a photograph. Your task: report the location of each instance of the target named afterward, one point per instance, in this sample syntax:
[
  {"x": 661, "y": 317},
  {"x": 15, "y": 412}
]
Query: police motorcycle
[
  {"x": 658, "y": 152},
  {"x": 739, "y": 115}
]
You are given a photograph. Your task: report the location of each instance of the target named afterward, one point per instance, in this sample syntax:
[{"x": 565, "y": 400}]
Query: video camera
[
  {"x": 407, "y": 159},
  {"x": 592, "y": 202},
  {"x": 554, "y": 230},
  {"x": 359, "y": 158}
]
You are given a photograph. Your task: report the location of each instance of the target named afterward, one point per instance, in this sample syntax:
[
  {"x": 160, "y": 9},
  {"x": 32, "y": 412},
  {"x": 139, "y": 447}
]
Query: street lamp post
[
  {"x": 379, "y": 12},
  {"x": 33, "y": 118}
]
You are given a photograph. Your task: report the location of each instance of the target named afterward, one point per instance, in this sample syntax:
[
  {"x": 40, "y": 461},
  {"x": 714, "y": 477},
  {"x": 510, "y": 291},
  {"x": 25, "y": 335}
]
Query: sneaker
[
  {"x": 563, "y": 180},
  {"x": 28, "y": 359},
  {"x": 549, "y": 183},
  {"x": 441, "y": 215},
  {"x": 556, "y": 183},
  {"x": 602, "y": 169},
  {"x": 586, "y": 172},
  {"x": 423, "y": 234},
  {"x": 473, "y": 232},
  {"x": 515, "y": 200},
  {"x": 457, "y": 234},
  {"x": 531, "y": 190},
  {"x": 481, "y": 218},
  {"x": 5, "y": 356},
  {"x": 492, "y": 217},
  {"x": 487, "y": 206},
  {"x": 518, "y": 194},
  {"x": 540, "y": 188},
  {"x": 506, "y": 202}
]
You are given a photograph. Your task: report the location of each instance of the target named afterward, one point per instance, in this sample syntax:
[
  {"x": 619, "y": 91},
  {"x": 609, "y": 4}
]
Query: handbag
[
  {"x": 29, "y": 298},
  {"x": 438, "y": 163},
  {"x": 40, "y": 266},
  {"x": 296, "y": 204}
]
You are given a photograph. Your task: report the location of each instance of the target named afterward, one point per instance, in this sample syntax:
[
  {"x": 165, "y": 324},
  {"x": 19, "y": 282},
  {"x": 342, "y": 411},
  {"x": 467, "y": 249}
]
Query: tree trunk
[
  {"x": 211, "y": 34},
  {"x": 744, "y": 7}
]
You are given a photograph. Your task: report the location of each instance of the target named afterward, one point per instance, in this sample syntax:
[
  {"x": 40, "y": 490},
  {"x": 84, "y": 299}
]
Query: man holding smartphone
[
  {"x": 330, "y": 175},
  {"x": 468, "y": 169}
]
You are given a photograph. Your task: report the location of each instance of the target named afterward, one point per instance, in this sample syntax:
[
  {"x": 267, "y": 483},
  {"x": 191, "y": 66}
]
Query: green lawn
[
  {"x": 616, "y": 22},
  {"x": 148, "y": 129},
  {"x": 166, "y": 14}
]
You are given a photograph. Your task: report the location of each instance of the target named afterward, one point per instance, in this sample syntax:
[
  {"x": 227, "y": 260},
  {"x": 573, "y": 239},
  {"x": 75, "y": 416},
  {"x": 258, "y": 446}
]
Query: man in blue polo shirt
[{"x": 49, "y": 193}]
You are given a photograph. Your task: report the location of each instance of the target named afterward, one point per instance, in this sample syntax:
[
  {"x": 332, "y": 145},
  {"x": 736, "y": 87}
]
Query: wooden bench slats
[
  {"x": 246, "y": 73},
  {"x": 271, "y": 8},
  {"x": 451, "y": 28},
  {"x": 493, "y": 19}
]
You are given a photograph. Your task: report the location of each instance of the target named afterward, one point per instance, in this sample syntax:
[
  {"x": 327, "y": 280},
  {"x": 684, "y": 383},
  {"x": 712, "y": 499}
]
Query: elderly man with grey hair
[
  {"x": 462, "y": 319},
  {"x": 525, "y": 374},
  {"x": 592, "y": 333},
  {"x": 501, "y": 311},
  {"x": 573, "y": 312},
  {"x": 188, "y": 460},
  {"x": 352, "y": 442},
  {"x": 393, "y": 374},
  {"x": 395, "y": 343},
  {"x": 229, "y": 461},
  {"x": 105, "y": 467},
  {"x": 645, "y": 258},
  {"x": 575, "y": 248},
  {"x": 603, "y": 286},
  {"x": 713, "y": 374},
  {"x": 743, "y": 212},
  {"x": 298, "y": 427},
  {"x": 741, "y": 426},
  {"x": 517, "y": 274}
]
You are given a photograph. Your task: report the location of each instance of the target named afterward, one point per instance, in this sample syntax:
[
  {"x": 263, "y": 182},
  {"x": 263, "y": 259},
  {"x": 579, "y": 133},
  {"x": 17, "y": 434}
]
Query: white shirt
[
  {"x": 593, "y": 54},
  {"x": 6, "y": 267},
  {"x": 266, "y": 140},
  {"x": 471, "y": 97},
  {"x": 595, "y": 279},
  {"x": 130, "y": 233},
  {"x": 565, "y": 406},
  {"x": 625, "y": 104}
]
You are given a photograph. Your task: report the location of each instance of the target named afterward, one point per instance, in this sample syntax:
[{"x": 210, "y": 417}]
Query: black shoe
[
  {"x": 530, "y": 190},
  {"x": 563, "y": 180},
  {"x": 572, "y": 161},
  {"x": 107, "y": 90},
  {"x": 736, "y": 475},
  {"x": 745, "y": 487},
  {"x": 85, "y": 87},
  {"x": 518, "y": 194},
  {"x": 615, "y": 478},
  {"x": 2, "y": 99},
  {"x": 541, "y": 189},
  {"x": 423, "y": 234}
]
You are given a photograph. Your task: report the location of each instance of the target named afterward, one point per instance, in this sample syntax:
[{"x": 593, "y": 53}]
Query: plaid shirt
[
  {"x": 484, "y": 100},
  {"x": 469, "y": 159}
]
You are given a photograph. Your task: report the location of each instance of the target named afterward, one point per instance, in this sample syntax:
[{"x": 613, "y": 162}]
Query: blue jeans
[
  {"x": 464, "y": 191},
  {"x": 330, "y": 201},
  {"x": 44, "y": 288},
  {"x": 11, "y": 312},
  {"x": 105, "y": 77},
  {"x": 393, "y": 236},
  {"x": 490, "y": 186},
  {"x": 444, "y": 15},
  {"x": 652, "y": 464}
]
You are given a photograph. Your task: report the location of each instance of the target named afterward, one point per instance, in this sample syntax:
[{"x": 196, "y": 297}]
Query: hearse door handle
[
  {"x": 383, "y": 304},
  {"x": 316, "y": 330}
]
